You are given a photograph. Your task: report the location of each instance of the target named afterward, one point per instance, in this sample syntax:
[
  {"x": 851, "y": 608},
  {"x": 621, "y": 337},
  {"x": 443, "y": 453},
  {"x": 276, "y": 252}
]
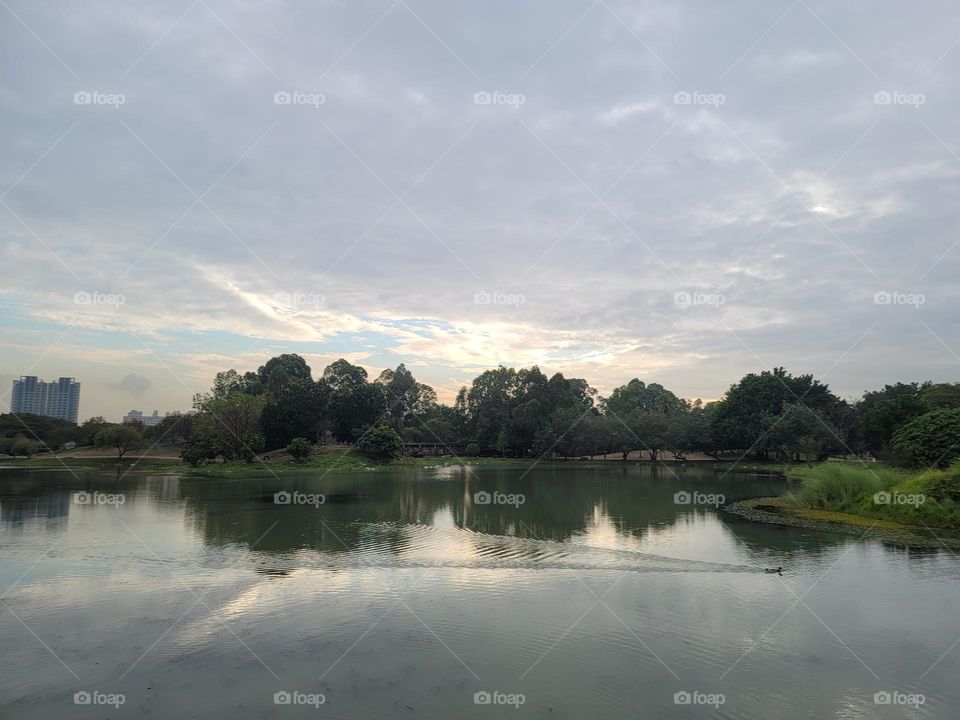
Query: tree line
[{"x": 768, "y": 416}]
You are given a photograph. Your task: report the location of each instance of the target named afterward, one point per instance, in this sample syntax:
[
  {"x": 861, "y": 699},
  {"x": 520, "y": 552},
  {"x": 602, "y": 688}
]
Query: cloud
[
  {"x": 136, "y": 385},
  {"x": 364, "y": 226}
]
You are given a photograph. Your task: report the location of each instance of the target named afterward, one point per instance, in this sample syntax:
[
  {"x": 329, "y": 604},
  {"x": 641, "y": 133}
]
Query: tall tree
[
  {"x": 883, "y": 411},
  {"x": 407, "y": 399},
  {"x": 283, "y": 370},
  {"x": 353, "y": 404},
  {"x": 235, "y": 423},
  {"x": 292, "y": 410},
  {"x": 489, "y": 402},
  {"x": 121, "y": 438},
  {"x": 752, "y": 406}
]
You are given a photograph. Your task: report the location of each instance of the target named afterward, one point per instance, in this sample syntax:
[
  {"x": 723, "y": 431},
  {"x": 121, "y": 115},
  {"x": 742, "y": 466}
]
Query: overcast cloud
[{"x": 680, "y": 191}]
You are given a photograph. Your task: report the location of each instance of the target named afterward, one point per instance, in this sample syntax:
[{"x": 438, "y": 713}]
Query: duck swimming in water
[{"x": 772, "y": 571}]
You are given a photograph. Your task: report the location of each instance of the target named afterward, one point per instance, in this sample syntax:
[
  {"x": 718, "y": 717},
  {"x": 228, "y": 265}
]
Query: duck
[{"x": 774, "y": 571}]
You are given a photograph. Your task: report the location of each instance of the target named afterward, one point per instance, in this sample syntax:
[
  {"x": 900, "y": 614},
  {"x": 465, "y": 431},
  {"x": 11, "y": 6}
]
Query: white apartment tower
[{"x": 59, "y": 399}]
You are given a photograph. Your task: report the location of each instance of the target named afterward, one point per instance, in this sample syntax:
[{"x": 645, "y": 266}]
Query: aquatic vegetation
[{"x": 927, "y": 499}]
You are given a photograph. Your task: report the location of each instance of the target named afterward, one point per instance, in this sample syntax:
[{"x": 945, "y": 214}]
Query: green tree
[
  {"x": 234, "y": 423},
  {"x": 353, "y": 409},
  {"x": 21, "y": 445},
  {"x": 636, "y": 395},
  {"x": 752, "y": 406},
  {"x": 684, "y": 433},
  {"x": 933, "y": 439},
  {"x": 620, "y": 438},
  {"x": 283, "y": 370},
  {"x": 352, "y": 404},
  {"x": 227, "y": 383},
  {"x": 299, "y": 448},
  {"x": 173, "y": 429},
  {"x": 292, "y": 410},
  {"x": 488, "y": 402},
  {"x": 800, "y": 434},
  {"x": 942, "y": 395},
  {"x": 121, "y": 438},
  {"x": 203, "y": 443},
  {"x": 649, "y": 428},
  {"x": 525, "y": 421},
  {"x": 380, "y": 443},
  {"x": 407, "y": 399},
  {"x": 89, "y": 428},
  {"x": 883, "y": 411},
  {"x": 48, "y": 431},
  {"x": 341, "y": 375}
]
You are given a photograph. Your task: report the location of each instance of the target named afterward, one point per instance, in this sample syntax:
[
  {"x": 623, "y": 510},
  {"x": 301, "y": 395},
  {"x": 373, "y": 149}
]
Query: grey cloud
[
  {"x": 798, "y": 198},
  {"x": 136, "y": 385}
]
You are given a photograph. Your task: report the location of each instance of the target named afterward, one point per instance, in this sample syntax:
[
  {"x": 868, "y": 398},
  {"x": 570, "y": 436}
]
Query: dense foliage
[
  {"x": 299, "y": 448},
  {"x": 380, "y": 443},
  {"x": 771, "y": 416},
  {"x": 930, "y": 440}
]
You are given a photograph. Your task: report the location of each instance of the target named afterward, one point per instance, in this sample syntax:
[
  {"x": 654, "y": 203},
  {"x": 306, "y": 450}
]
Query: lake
[{"x": 551, "y": 592}]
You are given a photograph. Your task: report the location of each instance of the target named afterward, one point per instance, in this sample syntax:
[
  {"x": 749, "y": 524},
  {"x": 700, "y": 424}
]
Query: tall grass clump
[
  {"x": 927, "y": 499},
  {"x": 841, "y": 487},
  {"x": 936, "y": 499}
]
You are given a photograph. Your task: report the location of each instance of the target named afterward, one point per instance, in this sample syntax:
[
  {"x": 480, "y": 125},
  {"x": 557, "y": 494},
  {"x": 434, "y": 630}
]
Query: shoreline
[
  {"x": 344, "y": 460},
  {"x": 774, "y": 511}
]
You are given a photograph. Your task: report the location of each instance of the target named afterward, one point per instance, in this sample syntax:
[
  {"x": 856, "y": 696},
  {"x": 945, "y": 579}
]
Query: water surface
[{"x": 402, "y": 596}]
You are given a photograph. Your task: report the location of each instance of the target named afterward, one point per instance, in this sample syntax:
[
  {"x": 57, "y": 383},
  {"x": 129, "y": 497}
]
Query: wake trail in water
[{"x": 425, "y": 547}]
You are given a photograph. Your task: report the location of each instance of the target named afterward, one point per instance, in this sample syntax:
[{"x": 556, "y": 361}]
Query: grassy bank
[
  {"x": 338, "y": 462},
  {"x": 756, "y": 468},
  {"x": 342, "y": 459},
  {"x": 52, "y": 462},
  {"x": 917, "y": 499},
  {"x": 279, "y": 463}
]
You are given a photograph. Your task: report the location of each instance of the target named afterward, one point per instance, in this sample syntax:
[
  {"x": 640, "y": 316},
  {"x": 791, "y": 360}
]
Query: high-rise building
[{"x": 59, "y": 399}]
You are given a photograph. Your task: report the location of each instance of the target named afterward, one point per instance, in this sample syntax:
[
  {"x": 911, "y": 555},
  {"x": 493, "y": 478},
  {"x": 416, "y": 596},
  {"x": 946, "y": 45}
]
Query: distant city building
[
  {"x": 59, "y": 399},
  {"x": 136, "y": 416}
]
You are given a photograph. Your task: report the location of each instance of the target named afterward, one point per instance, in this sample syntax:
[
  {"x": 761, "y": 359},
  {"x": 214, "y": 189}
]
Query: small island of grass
[{"x": 916, "y": 508}]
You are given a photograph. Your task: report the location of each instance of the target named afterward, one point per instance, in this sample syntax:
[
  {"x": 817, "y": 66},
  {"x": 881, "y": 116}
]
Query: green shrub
[
  {"x": 253, "y": 442},
  {"x": 473, "y": 450},
  {"x": 195, "y": 453},
  {"x": 299, "y": 448},
  {"x": 202, "y": 444},
  {"x": 380, "y": 443}
]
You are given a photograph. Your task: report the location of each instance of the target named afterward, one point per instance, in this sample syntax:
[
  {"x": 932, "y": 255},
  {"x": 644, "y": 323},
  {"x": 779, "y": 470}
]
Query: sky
[{"x": 682, "y": 192}]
